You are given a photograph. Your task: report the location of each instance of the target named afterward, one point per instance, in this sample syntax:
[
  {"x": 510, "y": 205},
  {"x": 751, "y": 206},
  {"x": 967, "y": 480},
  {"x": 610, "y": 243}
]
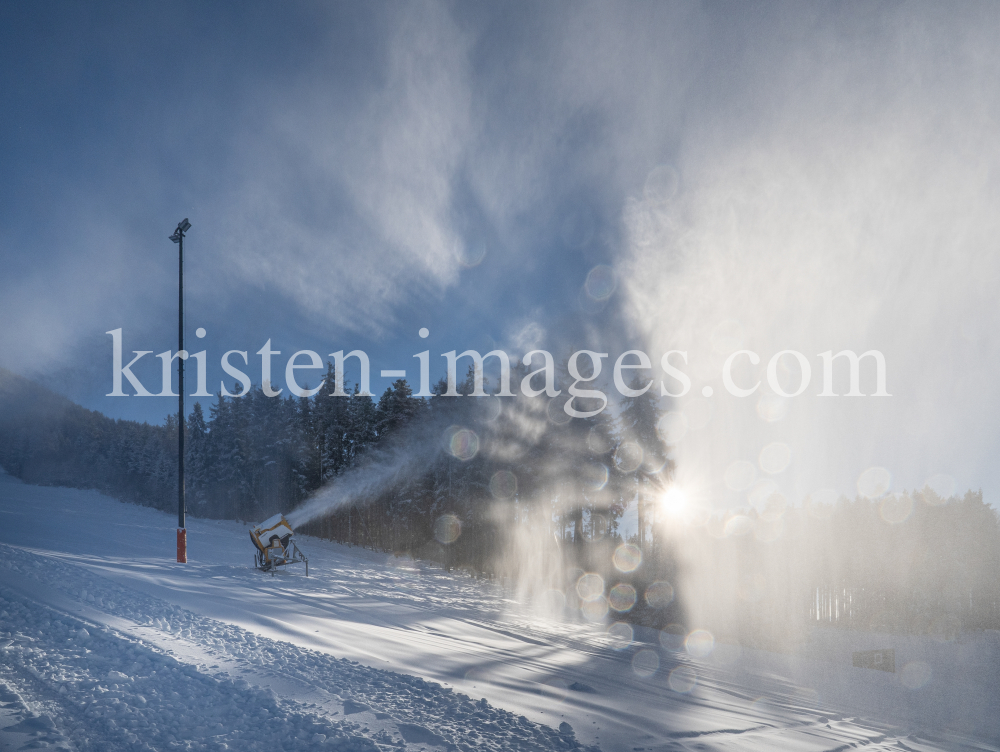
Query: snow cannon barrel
[{"x": 274, "y": 540}]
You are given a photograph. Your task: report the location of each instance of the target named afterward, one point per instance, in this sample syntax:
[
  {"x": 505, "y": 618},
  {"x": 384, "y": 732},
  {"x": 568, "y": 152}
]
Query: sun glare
[{"x": 674, "y": 502}]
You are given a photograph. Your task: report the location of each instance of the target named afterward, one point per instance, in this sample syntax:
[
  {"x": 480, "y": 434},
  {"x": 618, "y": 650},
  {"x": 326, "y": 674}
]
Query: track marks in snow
[
  {"x": 100, "y": 690},
  {"x": 116, "y": 688}
]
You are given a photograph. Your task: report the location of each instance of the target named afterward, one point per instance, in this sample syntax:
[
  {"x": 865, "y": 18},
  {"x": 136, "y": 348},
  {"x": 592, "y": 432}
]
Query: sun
[{"x": 674, "y": 502}]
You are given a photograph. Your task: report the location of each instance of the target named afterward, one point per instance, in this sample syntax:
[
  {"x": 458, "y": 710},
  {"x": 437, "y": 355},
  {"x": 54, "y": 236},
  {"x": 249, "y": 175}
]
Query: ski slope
[{"x": 107, "y": 644}]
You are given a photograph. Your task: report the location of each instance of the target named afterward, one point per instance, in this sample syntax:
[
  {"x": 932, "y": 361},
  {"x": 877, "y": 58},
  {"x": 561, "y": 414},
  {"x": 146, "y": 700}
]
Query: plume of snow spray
[
  {"x": 380, "y": 470},
  {"x": 847, "y": 217}
]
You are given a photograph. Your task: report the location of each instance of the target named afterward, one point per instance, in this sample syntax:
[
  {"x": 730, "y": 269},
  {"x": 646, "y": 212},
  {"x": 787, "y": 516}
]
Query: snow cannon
[{"x": 275, "y": 543}]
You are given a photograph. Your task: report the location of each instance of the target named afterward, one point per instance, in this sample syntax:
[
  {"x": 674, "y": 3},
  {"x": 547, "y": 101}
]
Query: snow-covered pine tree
[{"x": 196, "y": 459}]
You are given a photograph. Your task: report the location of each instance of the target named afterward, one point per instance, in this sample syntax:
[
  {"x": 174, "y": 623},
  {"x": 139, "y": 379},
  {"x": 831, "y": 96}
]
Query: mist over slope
[{"x": 117, "y": 646}]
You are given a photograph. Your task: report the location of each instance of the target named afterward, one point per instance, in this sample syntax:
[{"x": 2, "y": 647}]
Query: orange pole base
[{"x": 182, "y": 546}]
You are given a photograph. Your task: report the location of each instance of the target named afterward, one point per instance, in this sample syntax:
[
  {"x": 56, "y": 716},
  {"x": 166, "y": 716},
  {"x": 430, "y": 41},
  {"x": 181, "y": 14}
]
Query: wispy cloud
[{"x": 344, "y": 204}]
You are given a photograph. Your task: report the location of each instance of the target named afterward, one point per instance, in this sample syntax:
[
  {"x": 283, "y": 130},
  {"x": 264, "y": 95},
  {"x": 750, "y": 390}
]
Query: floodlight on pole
[{"x": 178, "y": 237}]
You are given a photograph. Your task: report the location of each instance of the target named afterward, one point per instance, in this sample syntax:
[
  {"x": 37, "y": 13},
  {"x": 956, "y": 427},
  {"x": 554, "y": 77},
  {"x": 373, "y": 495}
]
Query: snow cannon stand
[{"x": 275, "y": 544}]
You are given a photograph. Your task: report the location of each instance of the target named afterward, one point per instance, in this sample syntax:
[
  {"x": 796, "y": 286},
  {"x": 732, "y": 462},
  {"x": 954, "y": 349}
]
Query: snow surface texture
[{"x": 107, "y": 644}]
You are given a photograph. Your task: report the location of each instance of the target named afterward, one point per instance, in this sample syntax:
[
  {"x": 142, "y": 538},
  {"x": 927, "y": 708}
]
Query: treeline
[
  {"x": 514, "y": 488},
  {"x": 911, "y": 563},
  {"x": 253, "y": 456},
  {"x": 464, "y": 481}
]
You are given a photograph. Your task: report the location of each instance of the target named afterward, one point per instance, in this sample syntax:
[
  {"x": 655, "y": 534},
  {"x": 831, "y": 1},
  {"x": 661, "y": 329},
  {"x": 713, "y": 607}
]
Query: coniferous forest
[{"x": 514, "y": 489}]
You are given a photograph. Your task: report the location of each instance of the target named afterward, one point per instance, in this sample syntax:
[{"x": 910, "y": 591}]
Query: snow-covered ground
[{"x": 106, "y": 644}]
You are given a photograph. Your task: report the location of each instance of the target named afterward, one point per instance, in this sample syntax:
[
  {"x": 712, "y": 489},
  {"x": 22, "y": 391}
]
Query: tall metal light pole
[{"x": 178, "y": 237}]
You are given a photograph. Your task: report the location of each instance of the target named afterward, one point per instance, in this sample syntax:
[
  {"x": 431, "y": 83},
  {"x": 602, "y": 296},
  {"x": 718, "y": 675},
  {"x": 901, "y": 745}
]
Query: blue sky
[
  {"x": 326, "y": 157},
  {"x": 763, "y": 176}
]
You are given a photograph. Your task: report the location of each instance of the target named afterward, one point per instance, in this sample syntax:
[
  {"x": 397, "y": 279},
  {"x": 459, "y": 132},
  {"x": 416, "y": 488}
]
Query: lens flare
[
  {"x": 590, "y": 587},
  {"x": 697, "y": 515},
  {"x": 471, "y": 256},
  {"x": 772, "y": 408},
  {"x": 628, "y": 457},
  {"x": 770, "y": 508},
  {"x": 601, "y": 282},
  {"x": 683, "y": 680},
  {"x": 555, "y": 688},
  {"x": 595, "y": 610},
  {"x": 943, "y": 487},
  {"x": 594, "y": 476},
  {"x": 661, "y": 184},
  {"x": 672, "y": 427},
  {"x": 653, "y": 464},
  {"x": 448, "y": 435},
  {"x": 700, "y": 643},
  {"x": 627, "y": 558},
  {"x": 672, "y": 637},
  {"x": 737, "y": 525},
  {"x": 503, "y": 484},
  {"x": 740, "y": 475},
  {"x": 659, "y": 594},
  {"x": 478, "y": 675},
  {"x": 599, "y": 441},
  {"x": 622, "y": 597},
  {"x": 775, "y": 458},
  {"x": 552, "y": 603},
  {"x": 464, "y": 444},
  {"x": 896, "y": 508},
  {"x": 447, "y": 528},
  {"x": 645, "y": 663},
  {"x": 491, "y": 407},
  {"x": 555, "y": 410},
  {"x": 874, "y": 482},
  {"x": 763, "y": 706},
  {"x": 621, "y": 635},
  {"x": 761, "y": 491},
  {"x": 915, "y": 675}
]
